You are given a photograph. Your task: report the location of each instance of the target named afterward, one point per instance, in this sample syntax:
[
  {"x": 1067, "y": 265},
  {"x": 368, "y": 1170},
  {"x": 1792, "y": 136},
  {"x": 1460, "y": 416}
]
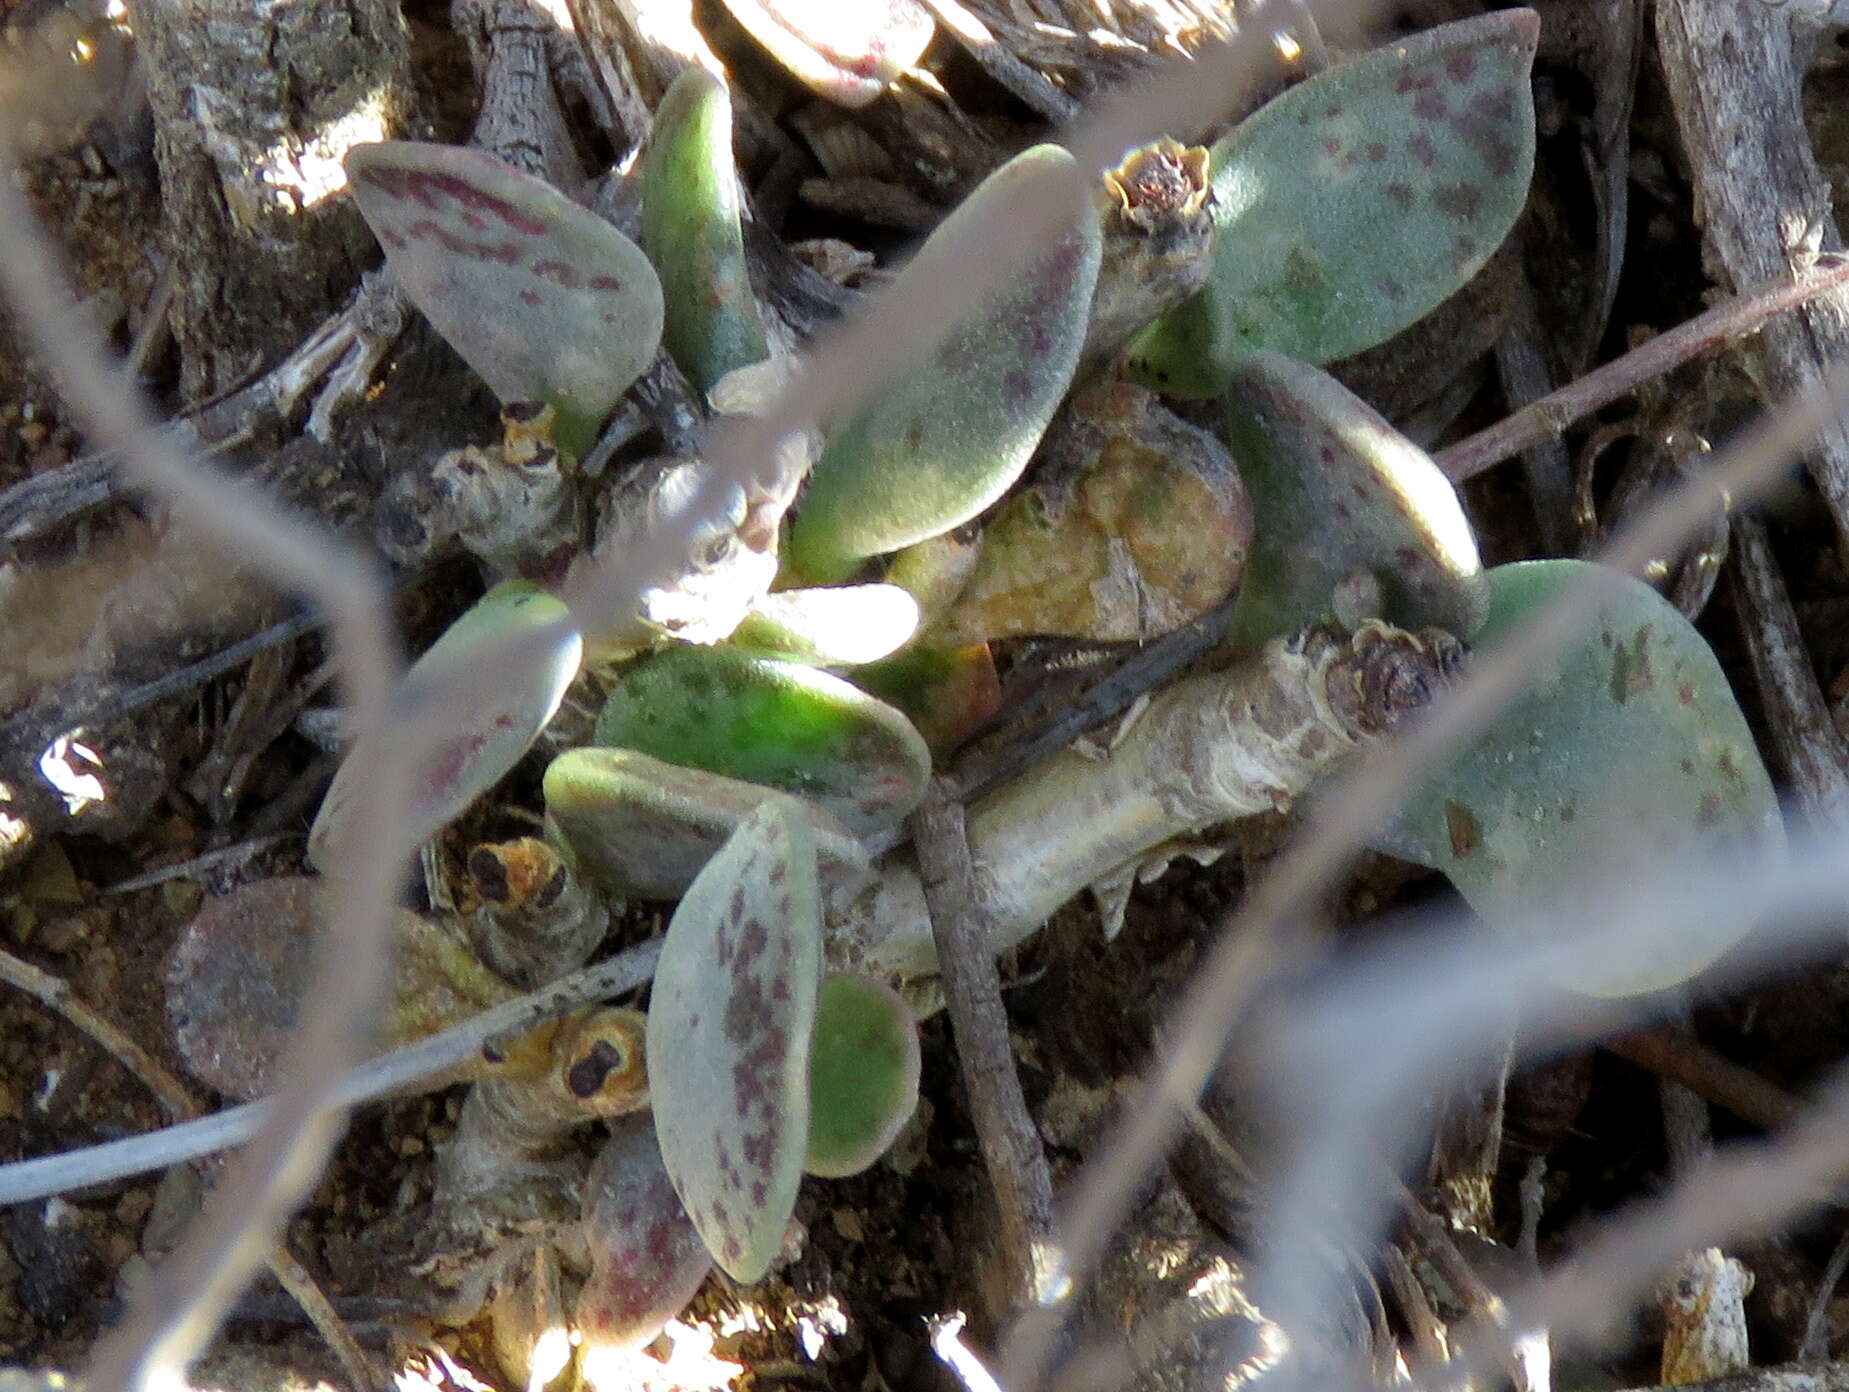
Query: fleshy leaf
[
  {"x": 936, "y": 445},
  {"x": 1337, "y": 492},
  {"x": 947, "y": 693},
  {"x": 543, "y": 298},
  {"x": 846, "y": 53},
  {"x": 835, "y": 626},
  {"x": 241, "y": 970},
  {"x": 1628, "y": 751},
  {"x": 863, "y": 1074},
  {"x": 730, "y": 1020},
  {"x": 777, "y": 723},
  {"x": 1350, "y": 206},
  {"x": 637, "y": 825},
  {"x": 483, "y": 743},
  {"x": 647, "y": 1259},
  {"x": 691, "y": 233},
  {"x": 1135, "y": 522}
]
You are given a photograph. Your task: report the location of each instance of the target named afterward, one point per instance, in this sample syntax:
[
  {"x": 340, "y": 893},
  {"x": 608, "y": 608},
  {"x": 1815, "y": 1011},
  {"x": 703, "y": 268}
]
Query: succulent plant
[
  {"x": 484, "y": 743},
  {"x": 1348, "y": 207},
  {"x": 932, "y": 449},
  {"x": 730, "y": 1020},
  {"x": 1628, "y": 750},
  {"x": 1347, "y": 512},
  {"x": 691, "y": 233},
  {"x": 637, "y": 825},
  {"x": 543, "y": 298},
  {"x": 844, "y": 53},
  {"x": 864, "y": 1064},
  {"x": 781, "y": 724},
  {"x": 647, "y": 1258},
  {"x": 240, "y": 972}
]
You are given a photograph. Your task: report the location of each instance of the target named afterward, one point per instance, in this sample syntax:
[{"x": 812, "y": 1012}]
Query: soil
[{"x": 878, "y": 1254}]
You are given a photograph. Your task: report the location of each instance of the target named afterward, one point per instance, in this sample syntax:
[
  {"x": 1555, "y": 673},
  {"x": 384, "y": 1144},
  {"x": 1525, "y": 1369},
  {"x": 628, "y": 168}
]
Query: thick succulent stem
[{"x": 1217, "y": 746}]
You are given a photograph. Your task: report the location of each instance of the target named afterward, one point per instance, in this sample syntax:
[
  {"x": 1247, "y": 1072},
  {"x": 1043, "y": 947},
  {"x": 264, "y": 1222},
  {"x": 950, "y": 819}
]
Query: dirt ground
[{"x": 914, "y": 1237}]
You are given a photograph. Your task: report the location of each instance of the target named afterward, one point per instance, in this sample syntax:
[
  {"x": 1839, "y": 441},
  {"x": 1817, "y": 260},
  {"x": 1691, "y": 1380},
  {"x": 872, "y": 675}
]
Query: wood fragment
[
  {"x": 1813, "y": 751},
  {"x": 1011, "y": 1149},
  {"x": 1675, "y": 1054},
  {"x": 1762, "y": 204}
]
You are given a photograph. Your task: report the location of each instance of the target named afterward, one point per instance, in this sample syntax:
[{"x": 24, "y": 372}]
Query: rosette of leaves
[
  {"x": 543, "y": 298},
  {"x": 1626, "y": 751},
  {"x": 1349, "y": 207}
]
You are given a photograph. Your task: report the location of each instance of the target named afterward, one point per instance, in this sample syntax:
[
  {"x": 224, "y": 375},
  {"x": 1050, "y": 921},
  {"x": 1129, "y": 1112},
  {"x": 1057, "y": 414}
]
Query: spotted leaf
[
  {"x": 543, "y": 298},
  {"x": 480, "y": 745},
  {"x": 778, "y": 723},
  {"x": 1338, "y": 494},
  {"x": 729, "y": 1025},
  {"x": 1628, "y": 750},
  {"x": 936, "y": 445},
  {"x": 1350, "y": 206},
  {"x": 647, "y": 1259}
]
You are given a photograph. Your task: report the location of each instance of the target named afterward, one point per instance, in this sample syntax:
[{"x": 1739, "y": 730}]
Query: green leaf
[
  {"x": 935, "y": 446},
  {"x": 482, "y": 744},
  {"x": 1627, "y": 752},
  {"x": 778, "y": 723},
  {"x": 1338, "y": 493},
  {"x": 691, "y": 232},
  {"x": 864, "y": 1065},
  {"x": 729, "y": 1024},
  {"x": 637, "y": 825},
  {"x": 543, "y": 298},
  {"x": 1350, "y": 206}
]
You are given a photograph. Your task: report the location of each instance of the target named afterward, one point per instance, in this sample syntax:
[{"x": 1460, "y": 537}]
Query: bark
[
  {"x": 1763, "y": 207},
  {"x": 254, "y": 106}
]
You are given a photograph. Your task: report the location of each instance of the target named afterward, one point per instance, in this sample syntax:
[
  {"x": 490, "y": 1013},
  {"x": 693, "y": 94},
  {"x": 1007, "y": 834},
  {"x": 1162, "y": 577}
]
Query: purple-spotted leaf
[
  {"x": 863, "y": 1074},
  {"x": 941, "y": 441},
  {"x": 639, "y": 826},
  {"x": 729, "y": 1025},
  {"x": 647, "y": 1259},
  {"x": 1626, "y": 752},
  {"x": 778, "y": 723},
  {"x": 691, "y": 232},
  {"x": 1351, "y": 205},
  {"x": 1338, "y": 494},
  {"x": 241, "y": 970},
  {"x": 481, "y": 745},
  {"x": 846, "y": 53},
  {"x": 543, "y": 298}
]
